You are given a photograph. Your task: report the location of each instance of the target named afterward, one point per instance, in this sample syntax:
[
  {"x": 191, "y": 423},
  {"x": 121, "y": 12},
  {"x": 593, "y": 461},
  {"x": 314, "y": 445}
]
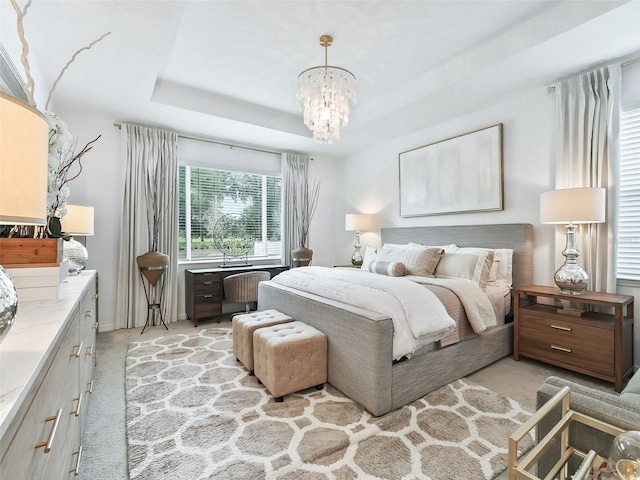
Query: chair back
[{"x": 243, "y": 287}]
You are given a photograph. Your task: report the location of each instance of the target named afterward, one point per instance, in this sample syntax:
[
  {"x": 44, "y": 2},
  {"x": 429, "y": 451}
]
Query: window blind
[{"x": 629, "y": 213}]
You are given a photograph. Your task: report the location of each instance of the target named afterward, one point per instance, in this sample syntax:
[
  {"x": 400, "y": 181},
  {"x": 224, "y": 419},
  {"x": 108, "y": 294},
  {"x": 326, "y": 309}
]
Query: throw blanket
[
  {"x": 416, "y": 312},
  {"x": 475, "y": 301}
]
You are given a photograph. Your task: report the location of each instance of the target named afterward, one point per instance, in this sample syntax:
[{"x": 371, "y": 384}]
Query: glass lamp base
[
  {"x": 356, "y": 259},
  {"x": 571, "y": 279},
  {"x": 77, "y": 255}
]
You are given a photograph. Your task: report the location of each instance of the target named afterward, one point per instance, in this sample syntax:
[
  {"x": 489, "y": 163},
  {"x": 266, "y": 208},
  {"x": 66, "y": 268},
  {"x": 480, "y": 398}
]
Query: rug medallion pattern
[{"x": 193, "y": 412}]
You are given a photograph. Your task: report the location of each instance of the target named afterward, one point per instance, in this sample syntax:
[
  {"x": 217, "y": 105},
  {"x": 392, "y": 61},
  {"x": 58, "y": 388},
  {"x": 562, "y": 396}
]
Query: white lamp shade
[
  {"x": 78, "y": 220},
  {"x": 358, "y": 222},
  {"x": 24, "y": 145},
  {"x": 573, "y": 205}
]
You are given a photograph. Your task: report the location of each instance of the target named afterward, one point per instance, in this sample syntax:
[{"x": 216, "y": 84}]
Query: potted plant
[{"x": 305, "y": 200}]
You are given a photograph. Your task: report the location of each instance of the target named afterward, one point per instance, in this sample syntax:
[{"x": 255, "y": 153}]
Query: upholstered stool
[
  {"x": 243, "y": 328},
  {"x": 290, "y": 357}
]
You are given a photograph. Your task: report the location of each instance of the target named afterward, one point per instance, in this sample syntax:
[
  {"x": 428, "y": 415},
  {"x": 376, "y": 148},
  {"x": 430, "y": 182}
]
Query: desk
[{"x": 204, "y": 292}]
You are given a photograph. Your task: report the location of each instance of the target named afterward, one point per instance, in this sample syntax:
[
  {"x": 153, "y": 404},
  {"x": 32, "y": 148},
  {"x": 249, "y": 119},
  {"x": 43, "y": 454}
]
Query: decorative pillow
[
  {"x": 420, "y": 261},
  {"x": 370, "y": 255},
  {"x": 392, "y": 269},
  {"x": 502, "y": 268},
  {"x": 469, "y": 266},
  {"x": 452, "y": 247}
]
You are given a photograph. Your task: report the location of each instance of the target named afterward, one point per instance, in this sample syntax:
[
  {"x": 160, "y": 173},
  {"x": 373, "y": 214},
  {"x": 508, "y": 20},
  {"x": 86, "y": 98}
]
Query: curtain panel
[
  {"x": 588, "y": 114},
  {"x": 150, "y": 190},
  {"x": 295, "y": 172}
]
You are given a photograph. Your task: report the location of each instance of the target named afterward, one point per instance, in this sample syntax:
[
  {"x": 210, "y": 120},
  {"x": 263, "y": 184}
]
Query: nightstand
[{"x": 595, "y": 344}]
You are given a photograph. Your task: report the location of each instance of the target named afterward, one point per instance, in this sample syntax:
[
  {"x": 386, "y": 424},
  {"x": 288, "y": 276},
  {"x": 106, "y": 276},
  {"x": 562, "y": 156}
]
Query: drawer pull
[
  {"x": 207, "y": 283},
  {"x": 95, "y": 326},
  {"x": 558, "y": 327},
  {"x": 94, "y": 296},
  {"x": 208, "y": 296},
  {"x": 88, "y": 313},
  {"x": 47, "y": 444},
  {"x": 78, "y": 407},
  {"x": 77, "y": 352},
  {"x": 562, "y": 349},
  {"x": 89, "y": 351},
  {"x": 90, "y": 387},
  {"x": 76, "y": 470}
]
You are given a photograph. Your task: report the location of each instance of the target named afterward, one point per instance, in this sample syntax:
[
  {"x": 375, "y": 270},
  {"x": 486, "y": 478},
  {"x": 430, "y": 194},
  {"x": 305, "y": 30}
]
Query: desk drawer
[
  {"x": 208, "y": 307},
  {"x": 208, "y": 287}
]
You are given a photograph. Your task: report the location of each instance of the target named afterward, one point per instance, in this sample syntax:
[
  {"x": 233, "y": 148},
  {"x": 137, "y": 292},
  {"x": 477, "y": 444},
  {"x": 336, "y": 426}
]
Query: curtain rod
[
  {"x": 208, "y": 140},
  {"x": 623, "y": 64}
]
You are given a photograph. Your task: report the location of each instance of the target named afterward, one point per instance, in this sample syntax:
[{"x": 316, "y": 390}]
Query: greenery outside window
[{"x": 224, "y": 212}]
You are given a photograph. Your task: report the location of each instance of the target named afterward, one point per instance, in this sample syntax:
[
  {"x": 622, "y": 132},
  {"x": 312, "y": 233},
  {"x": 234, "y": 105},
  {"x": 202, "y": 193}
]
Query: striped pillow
[{"x": 392, "y": 269}]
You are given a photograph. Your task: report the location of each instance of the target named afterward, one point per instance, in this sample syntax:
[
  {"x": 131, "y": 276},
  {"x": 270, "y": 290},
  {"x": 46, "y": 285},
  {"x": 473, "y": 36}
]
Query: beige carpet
[{"x": 193, "y": 412}]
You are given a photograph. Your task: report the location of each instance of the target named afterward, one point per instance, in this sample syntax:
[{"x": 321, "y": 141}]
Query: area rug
[{"x": 193, "y": 412}]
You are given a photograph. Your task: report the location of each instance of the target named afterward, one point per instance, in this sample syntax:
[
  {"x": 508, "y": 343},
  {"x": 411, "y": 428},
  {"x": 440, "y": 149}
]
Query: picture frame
[
  {"x": 10, "y": 80},
  {"x": 460, "y": 174}
]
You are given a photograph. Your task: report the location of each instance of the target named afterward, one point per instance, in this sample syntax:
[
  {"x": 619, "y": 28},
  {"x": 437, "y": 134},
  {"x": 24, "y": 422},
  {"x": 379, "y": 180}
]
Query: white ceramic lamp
[
  {"x": 572, "y": 206},
  {"x": 357, "y": 222},
  {"x": 77, "y": 221},
  {"x": 24, "y": 144}
]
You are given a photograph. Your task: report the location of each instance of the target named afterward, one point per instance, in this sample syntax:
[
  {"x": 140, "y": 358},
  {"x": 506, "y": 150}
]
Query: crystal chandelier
[{"x": 325, "y": 95}]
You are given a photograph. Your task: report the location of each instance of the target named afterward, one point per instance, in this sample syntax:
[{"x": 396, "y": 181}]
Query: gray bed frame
[{"x": 360, "y": 341}]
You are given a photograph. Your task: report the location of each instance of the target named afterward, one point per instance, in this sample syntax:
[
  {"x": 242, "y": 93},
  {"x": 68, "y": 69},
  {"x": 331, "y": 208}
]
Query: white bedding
[{"x": 417, "y": 314}]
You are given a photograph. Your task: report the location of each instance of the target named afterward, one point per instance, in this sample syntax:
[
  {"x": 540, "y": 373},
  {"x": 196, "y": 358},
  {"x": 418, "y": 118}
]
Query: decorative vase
[
  {"x": 8, "y": 303},
  {"x": 152, "y": 265},
  {"x": 301, "y": 256}
]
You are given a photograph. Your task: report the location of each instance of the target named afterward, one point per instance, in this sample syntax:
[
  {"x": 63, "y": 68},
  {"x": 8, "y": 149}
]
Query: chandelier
[{"x": 326, "y": 94}]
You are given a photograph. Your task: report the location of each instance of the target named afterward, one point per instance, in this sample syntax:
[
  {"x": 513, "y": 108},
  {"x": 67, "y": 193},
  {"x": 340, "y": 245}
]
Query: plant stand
[{"x": 153, "y": 292}]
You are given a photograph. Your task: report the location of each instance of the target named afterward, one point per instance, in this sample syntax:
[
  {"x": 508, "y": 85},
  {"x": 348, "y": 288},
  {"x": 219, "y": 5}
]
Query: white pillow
[
  {"x": 452, "y": 247},
  {"x": 468, "y": 266},
  {"x": 396, "y": 246},
  {"x": 502, "y": 268},
  {"x": 370, "y": 255},
  {"x": 420, "y": 261}
]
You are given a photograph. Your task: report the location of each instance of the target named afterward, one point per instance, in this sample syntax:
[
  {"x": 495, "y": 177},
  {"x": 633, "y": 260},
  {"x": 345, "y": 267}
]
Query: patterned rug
[{"x": 193, "y": 412}]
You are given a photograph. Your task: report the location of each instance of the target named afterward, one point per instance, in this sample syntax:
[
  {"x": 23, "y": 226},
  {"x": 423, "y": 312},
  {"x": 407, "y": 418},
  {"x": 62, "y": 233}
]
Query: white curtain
[
  {"x": 588, "y": 112},
  {"x": 295, "y": 171},
  {"x": 151, "y": 178}
]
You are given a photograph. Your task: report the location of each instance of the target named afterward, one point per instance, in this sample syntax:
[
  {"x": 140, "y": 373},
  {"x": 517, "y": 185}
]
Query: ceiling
[{"x": 228, "y": 69}]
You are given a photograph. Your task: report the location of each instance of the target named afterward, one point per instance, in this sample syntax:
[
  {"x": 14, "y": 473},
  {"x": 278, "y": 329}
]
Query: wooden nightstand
[{"x": 596, "y": 344}]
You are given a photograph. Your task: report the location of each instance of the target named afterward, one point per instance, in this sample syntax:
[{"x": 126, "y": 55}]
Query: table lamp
[
  {"x": 357, "y": 222},
  {"x": 77, "y": 221},
  {"x": 24, "y": 145},
  {"x": 572, "y": 206}
]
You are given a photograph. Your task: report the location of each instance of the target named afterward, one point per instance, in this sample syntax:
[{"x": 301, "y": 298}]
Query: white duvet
[{"x": 417, "y": 314}]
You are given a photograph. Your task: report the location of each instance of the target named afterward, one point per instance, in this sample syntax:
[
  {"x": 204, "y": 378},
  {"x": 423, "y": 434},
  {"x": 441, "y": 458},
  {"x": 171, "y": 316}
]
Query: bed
[{"x": 360, "y": 352}]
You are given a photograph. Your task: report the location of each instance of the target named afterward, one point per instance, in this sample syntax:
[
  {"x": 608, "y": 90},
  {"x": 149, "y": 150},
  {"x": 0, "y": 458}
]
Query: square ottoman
[
  {"x": 243, "y": 328},
  {"x": 290, "y": 357}
]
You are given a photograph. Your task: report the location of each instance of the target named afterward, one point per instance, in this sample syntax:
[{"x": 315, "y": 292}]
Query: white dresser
[{"x": 46, "y": 371}]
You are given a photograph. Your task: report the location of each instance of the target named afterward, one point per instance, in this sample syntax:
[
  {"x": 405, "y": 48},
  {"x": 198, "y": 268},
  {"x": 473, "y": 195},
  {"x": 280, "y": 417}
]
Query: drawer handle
[
  {"x": 207, "y": 283},
  {"x": 562, "y": 349},
  {"x": 47, "y": 444},
  {"x": 207, "y": 274},
  {"x": 95, "y": 326},
  {"x": 89, "y": 313},
  {"x": 208, "y": 296},
  {"x": 89, "y": 351},
  {"x": 95, "y": 355},
  {"x": 76, "y": 469},
  {"x": 94, "y": 296},
  {"x": 90, "y": 387},
  {"x": 558, "y": 327},
  {"x": 77, "y": 352},
  {"x": 78, "y": 407}
]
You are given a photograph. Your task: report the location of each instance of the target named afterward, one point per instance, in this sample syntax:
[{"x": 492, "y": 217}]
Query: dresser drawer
[
  {"x": 208, "y": 309},
  {"x": 208, "y": 287}
]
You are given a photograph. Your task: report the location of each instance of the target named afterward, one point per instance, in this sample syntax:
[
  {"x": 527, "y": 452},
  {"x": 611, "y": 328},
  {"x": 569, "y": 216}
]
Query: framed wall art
[{"x": 456, "y": 175}]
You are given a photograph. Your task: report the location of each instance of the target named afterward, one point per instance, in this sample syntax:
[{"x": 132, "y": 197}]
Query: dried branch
[
  {"x": 29, "y": 86},
  {"x": 73, "y": 57}
]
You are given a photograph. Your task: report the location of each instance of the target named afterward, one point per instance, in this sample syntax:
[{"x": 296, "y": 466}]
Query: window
[
  {"x": 225, "y": 215},
  {"x": 629, "y": 213}
]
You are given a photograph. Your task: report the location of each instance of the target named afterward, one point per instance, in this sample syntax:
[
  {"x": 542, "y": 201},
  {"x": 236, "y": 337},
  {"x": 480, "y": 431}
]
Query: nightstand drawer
[
  {"x": 580, "y": 358},
  {"x": 573, "y": 334}
]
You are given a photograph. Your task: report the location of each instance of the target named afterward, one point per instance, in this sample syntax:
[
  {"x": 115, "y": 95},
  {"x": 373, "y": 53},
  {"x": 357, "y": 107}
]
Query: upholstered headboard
[{"x": 518, "y": 236}]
